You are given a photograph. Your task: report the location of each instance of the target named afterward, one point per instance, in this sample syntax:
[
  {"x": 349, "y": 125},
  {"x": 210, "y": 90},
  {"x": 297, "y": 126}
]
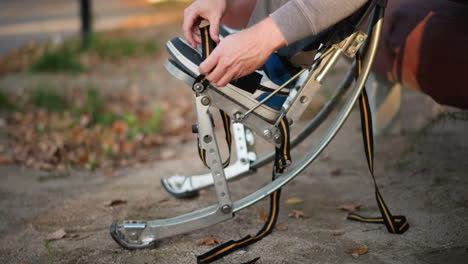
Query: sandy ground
[{"x": 422, "y": 174}]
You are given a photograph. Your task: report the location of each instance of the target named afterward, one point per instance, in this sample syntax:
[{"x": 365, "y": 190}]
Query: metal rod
[{"x": 273, "y": 93}]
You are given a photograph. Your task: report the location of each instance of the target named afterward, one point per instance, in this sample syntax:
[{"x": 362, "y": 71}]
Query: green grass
[
  {"x": 154, "y": 124},
  {"x": 52, "y": 176},
  {"x": 118, "y": 48},
  {"x": 66, "y": 57},
  {"x": 62, "y": 59},
  {"x": 94, "y": 107},
  {"x": 48, "y": 99},
  {"x": 50, "y": 253},
  {"x": 138, "y": 126},
  {"x": 5, "y": 103}
]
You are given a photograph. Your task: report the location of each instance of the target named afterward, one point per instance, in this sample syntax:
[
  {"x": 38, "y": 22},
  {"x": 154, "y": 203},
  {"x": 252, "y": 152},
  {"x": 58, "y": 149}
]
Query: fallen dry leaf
[
  {"x": 350, "y": 207},
  {"x": 281, "y": 227},
  {"x": 168, "y": 154},
  {"x": 59, "y": 234},
  {"x": 108, "y": 172},
  {"x": 262, "y": 216},
  {"x": 119, "y": 127},
  {"x": 126, "y": 147},
  {"x": 82, "y": 237},
  {"x": 5, "y": 160},
  {"x": 297, "y": 214},
  {"x": 50, "y": 141},
  {"x": 116, "y": 202},
  {"x": 356, "y": 252},
  {"x": 338, "y": 233},
  {"x": 294, "y": 200},
  {"x": 336, "y": 172},
  {"x": 163, "y": 200},
  {"x": 210, "y": 241},
  {"x": 71, "y": 236}
]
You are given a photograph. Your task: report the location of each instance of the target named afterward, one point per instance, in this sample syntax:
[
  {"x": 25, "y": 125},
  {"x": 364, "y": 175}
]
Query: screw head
[
  {"x": 198, "y": 87},
  {"x": 207, "y": 139},
  {"x": 226, "y": 209},
  {"x": 205, "y": 100},
  {"x": 277, "y": 138},
  {"x": 267, "y": 134}
]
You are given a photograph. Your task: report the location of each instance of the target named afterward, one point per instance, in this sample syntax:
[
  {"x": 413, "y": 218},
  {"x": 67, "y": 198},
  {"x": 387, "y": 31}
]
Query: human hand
[
  {"x": 211, "y": 10},
  {"x": 242, "y": 53}
]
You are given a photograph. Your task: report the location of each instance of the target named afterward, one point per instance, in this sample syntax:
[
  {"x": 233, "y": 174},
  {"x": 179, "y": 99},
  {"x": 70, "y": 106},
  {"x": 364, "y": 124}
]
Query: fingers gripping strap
[
  {"x": 282, "y": 157},
  {"x": 395, "y": 224},
  {"x": 208, "y": 45}
]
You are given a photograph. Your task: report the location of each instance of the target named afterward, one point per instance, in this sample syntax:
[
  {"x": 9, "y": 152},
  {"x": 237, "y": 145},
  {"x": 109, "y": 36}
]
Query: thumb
[{"x": 209, "y": 63}]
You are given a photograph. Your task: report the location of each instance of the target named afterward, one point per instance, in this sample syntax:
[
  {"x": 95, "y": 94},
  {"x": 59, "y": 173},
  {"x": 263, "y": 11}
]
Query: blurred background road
[{"x": 23, "y": 21}]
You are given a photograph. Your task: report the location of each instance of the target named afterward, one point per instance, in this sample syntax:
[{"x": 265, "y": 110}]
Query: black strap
[
  {"x": 282, "y": 158},
  {"x": 395, "y": 224},
  {"x": 208, "y": 46}
]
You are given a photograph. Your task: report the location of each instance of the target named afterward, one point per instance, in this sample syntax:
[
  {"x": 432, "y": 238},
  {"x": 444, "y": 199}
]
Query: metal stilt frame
[{"x": 144, "y": 234}]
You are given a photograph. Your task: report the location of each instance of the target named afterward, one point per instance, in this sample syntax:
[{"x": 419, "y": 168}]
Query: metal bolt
[
  {"x": 205, "y": 100},
  {"x": 277, "y": 138},
  {"x": 207, "y": 139},
  {"x": 133, "y": 236},
  {"x": 238, "y": 116},
  {"x": 226, "y": 209},
  {"x": 352, "y": 50},
  {"x": 198, "y": 87},
  {"x": 267, "y": 134},
  {"x": 360, "y": 39}
]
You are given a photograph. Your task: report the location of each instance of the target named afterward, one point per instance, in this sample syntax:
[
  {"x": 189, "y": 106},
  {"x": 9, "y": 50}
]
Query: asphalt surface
[{"x": 24, "y": 21}]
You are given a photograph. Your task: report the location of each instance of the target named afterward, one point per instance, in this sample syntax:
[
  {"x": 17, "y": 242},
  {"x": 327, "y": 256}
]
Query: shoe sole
[{"x": 234, "y": 94}]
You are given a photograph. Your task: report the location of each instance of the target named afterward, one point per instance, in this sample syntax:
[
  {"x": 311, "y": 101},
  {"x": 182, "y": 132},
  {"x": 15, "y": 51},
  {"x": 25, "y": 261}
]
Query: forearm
[
  {"x": 268, "y": 33},
  {"x": 298, "y": 19}
]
